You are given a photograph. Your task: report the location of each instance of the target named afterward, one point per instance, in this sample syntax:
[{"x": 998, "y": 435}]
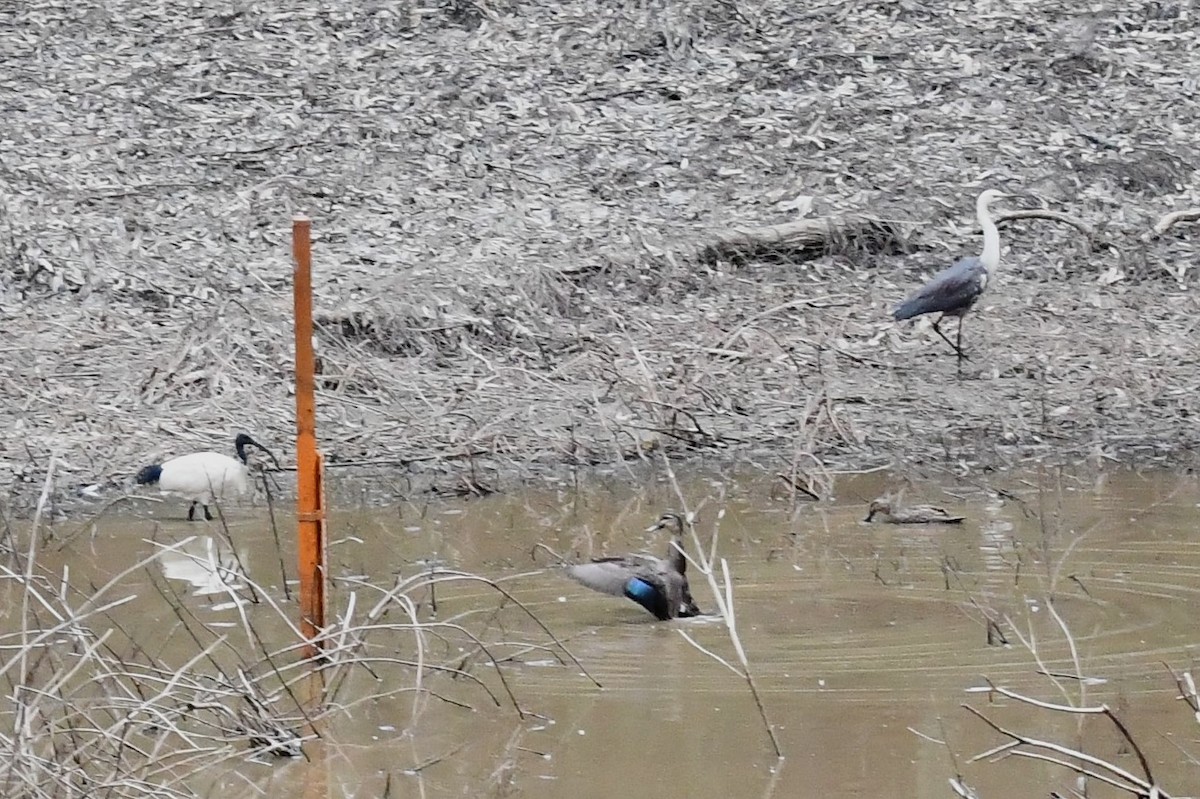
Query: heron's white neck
[{"x": 991, "y": 236}]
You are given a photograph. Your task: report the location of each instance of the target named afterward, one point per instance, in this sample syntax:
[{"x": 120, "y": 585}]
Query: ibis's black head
[
  {"x": 149, "y": 475},
  {"x": 241, "y": 442}
]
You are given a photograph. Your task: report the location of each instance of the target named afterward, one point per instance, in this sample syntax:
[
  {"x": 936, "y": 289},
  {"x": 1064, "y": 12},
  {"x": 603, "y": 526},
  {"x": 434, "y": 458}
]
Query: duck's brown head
[
  {"x": 882, "y": 506},
  {"x": 669, "y": 520}
]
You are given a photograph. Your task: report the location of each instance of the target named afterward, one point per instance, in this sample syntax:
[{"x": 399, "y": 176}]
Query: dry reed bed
[{"x": 511, "y": 203}]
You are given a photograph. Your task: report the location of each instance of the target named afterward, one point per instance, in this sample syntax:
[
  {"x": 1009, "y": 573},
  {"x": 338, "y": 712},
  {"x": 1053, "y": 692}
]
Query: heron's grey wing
[{"x": 953, "y": 289}]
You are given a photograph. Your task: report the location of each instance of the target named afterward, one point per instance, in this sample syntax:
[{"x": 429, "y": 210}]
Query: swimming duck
[
  {"x": 657, "y": 584},
  {"x": 881, "y": 511}
]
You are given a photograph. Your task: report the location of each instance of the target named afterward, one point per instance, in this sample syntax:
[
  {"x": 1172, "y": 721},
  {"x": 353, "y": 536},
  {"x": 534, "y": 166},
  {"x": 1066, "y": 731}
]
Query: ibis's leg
[
  {"x": 957, "y": 349},
  {"x": 192, "y": 512},
  {"x": 208, "y": 517}
]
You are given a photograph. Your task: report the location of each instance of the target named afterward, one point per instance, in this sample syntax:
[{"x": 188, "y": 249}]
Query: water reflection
[{"x": 208, "y": 564}]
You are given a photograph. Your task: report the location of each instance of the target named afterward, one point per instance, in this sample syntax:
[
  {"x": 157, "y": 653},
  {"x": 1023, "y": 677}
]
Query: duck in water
[
  {"x": 657, "y": 584},
  {"x": 881, "y": 511}
]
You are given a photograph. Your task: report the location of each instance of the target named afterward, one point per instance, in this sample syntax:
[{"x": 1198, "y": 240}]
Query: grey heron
[{"x": 952, "y": 291}]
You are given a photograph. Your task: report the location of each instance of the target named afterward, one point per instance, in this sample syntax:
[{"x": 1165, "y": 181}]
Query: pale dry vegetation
[{"x": 509, "y": 197}]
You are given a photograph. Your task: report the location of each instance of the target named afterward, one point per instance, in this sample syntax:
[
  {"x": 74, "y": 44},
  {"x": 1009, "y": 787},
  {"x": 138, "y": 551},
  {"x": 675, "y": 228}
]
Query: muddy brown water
[{"x": 858, "y": 635}]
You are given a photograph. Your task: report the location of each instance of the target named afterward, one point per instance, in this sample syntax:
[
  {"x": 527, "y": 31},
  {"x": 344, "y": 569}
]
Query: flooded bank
[{"x": 859, "y": 637}]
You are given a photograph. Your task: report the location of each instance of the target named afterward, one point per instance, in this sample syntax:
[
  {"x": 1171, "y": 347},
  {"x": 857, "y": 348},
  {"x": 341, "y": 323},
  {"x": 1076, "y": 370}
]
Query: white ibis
[{"x": 203, "y": 476}]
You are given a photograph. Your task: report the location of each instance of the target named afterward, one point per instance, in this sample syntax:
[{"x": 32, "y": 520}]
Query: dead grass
[{"x": 493, "y": 229}]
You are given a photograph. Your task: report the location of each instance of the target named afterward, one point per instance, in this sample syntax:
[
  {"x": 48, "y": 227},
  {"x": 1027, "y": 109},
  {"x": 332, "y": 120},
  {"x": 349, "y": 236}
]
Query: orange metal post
[{"x": 310, "y": 510}]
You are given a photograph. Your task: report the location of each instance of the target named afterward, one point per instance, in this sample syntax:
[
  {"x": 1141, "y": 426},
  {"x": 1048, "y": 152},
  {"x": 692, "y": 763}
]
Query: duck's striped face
[{"x": 672, "y": 521}]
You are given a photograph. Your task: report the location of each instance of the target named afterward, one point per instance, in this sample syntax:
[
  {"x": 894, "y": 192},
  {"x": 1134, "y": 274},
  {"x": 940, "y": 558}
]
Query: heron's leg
[
  {"x": 192, "y": 512},
  {"x": 208, "y": 517},
  {"x": 957, "y": 349}
]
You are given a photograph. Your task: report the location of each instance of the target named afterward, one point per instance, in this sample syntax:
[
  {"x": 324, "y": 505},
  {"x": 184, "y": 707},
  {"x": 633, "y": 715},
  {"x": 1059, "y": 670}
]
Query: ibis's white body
[{"x": 204, "y": 476}]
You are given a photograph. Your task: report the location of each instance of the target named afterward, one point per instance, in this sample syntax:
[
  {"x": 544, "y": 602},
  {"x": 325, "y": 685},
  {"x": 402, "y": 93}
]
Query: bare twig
[
  {"x": 1054, "y": 216},
  {"x": 1187, "y": 690},
  {"x": 1133, "y": 784},
  {"x": 1172, "y": 219}
]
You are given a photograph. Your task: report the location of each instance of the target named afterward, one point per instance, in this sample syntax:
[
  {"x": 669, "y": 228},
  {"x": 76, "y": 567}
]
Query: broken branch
[
  {"x": 1055, "y": 216},
  {"x": 1175, "y": 217}
]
